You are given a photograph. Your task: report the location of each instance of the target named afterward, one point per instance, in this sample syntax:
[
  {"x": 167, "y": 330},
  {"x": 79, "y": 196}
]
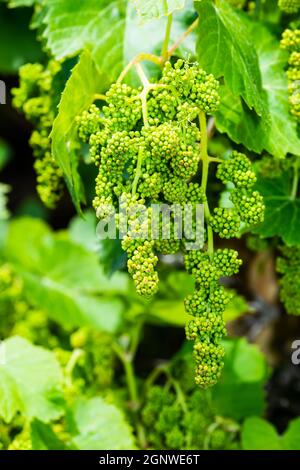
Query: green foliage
[
  {"x": 84, "y": 77},
  {"x": 67, "y": 33},
  {"x": 282, "y": 208},
  {"x": 64, "y": 278},
  {"x": 98, "y": 425},
  {"x": 23, "y": 365},
  {"x": 148, "y": 10},
  {"x": 275, "y": 133},
  {"x": 240, "y": 392},
  {"x": 258, "y": 434},
  {"x": 224, "y": 36}
]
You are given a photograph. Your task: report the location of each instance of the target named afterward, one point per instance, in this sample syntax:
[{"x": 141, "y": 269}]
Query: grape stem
[
  {"x": 164, "y": 52},
  {"x": 182, "y": 38},
  {"x": 126, "y": 358},
  {"x": 100, "y": 97},
  {"x": 136, "y": 60},
  {"x": 295, "y": 180},
  {"x": 205, "y": 168}
]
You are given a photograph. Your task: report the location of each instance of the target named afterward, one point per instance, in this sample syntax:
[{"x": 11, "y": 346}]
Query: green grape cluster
[
  {"x": 148, "y": 156},
  {"x": 181, "y": 423},
  {"x": 209, "y": 301},
  {"x": 36, "y": 97},
  {"x": 98, "y": 362},
  {"x": 146, "y": 144},
  {"x": 291, "y": 42},
  {"x": 289, "y": 6},
  {"x": 288, "y": 265},
  {"x": 18, "y": 316}
]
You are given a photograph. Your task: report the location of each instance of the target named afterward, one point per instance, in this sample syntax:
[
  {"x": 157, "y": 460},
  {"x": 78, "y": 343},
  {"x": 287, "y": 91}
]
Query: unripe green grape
[
  {"x": 207, "y": 327},
  {"x": 197, "y": 303},
  {"x": 218, "y": 439},
  {"x": 289, "y": 6},
  {"x": 88, "y": 123},
  {"x": 209, "y": 358},
  {"x": 238, "y": 170},
  {"x": 227, "y": 262},
  {"x": 175, "y": 190},
  {"x": 249, "y": 205},
  {"x": 225, "y": 222},
  {"x": 291, "y": 40}
]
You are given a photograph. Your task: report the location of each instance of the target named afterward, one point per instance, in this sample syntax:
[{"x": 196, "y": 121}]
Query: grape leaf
[
  {"x": 100, "y": 426},
  {"x": 149, "y": 9},
  {"x": 282, "y": 214},
  {"x": 277, "y": 133},
  {"x": 43, "y": 438},
  {"x": 240, "y": 392},
  {"x": 30, "y": 381},
  {"x": 18, "y": 44},
  {"x": 63, "y": 278},
  {"x": 258, "y": 434},
  {"x": 224, "y": 49},
  {"x": 78, "y": 94},
  {"x": 73, "y": 25},
  {"x": 290, "y": 438}
]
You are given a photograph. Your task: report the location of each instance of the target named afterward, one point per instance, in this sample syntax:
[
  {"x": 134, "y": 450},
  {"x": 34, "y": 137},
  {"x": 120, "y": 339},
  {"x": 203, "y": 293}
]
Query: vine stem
[
  {"x": 205, "y": 168},
  {"x": 295, "y": 180},
  {"x": 126, "y": 359},
  {"x": 139, "y": 58},
  {"x": 164, "y": 52},
  {"x": 182, "y": 37},
  {"x": 100, "y": 96}
]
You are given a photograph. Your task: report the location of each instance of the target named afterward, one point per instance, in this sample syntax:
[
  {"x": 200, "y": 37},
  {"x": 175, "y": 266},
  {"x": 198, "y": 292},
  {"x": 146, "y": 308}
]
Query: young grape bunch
[
  {"x": 150, "y": 145},
  {"x": 289, "y": 6},
  {"x": 37, "y": 98},
  {"x": 291, "y": 42}
]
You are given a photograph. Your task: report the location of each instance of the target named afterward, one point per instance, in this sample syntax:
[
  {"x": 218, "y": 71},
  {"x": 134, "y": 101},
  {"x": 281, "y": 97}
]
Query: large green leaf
[
  {"x": 149, "y": 9},
  {"x": 100, "y": 426},
  {"x": 17, "y": 43},
  {"x": 291, "y": 437},
  {"x": 240, "y": 392},
  {"x": 277, "y": 134},
  {"x": 63, "y": 278},
  {"x": 73, "y": 25},
  {"x": 224, "y": 48},
  {"x": 258, "y": 434},
  {"x": 30, "y": 381},
  {"x": 43, "y": 438},
  {"x": 282, "y": 214},
  {"x": 77, "y": 96}
]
